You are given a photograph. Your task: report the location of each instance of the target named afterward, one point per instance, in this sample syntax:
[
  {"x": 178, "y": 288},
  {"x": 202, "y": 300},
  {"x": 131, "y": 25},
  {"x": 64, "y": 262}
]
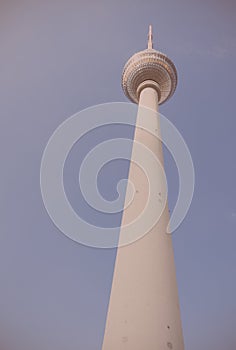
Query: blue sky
[{"x": 59, "y": 57}]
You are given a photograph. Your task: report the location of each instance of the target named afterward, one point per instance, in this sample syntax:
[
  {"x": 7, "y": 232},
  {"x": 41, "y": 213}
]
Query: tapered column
[{"x": 143, "y": 311}]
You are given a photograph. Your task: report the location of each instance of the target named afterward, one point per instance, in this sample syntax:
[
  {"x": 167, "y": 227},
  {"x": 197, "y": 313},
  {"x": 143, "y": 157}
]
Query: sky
[{"x": 59, "y": 57}]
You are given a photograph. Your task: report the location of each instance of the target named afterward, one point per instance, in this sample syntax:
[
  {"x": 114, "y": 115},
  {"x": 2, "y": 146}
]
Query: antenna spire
[{"x": 150, "y": 37}]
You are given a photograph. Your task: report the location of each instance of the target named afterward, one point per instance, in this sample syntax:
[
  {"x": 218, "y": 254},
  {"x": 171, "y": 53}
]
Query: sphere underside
[{"x": 147, "y": 66}]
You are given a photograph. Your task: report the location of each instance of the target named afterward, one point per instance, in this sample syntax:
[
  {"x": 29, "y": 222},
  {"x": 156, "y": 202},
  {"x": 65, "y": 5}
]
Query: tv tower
[{"x": 143, "y": 312}]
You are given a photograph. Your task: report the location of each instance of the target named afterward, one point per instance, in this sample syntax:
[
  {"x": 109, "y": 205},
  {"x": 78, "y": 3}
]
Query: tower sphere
[{"x": 149, "y": 68}]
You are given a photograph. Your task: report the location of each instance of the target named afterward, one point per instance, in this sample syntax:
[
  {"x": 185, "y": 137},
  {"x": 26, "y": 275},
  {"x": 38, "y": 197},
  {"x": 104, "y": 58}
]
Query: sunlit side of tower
[{"x": 143, "y": 311}]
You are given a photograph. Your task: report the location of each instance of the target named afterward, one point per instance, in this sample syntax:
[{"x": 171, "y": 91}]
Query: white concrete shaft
[{"x": 143, "y": 311}]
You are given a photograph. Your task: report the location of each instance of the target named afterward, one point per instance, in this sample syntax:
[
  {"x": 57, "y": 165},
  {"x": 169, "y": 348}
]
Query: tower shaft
[{"x": 144, "y": 310}]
